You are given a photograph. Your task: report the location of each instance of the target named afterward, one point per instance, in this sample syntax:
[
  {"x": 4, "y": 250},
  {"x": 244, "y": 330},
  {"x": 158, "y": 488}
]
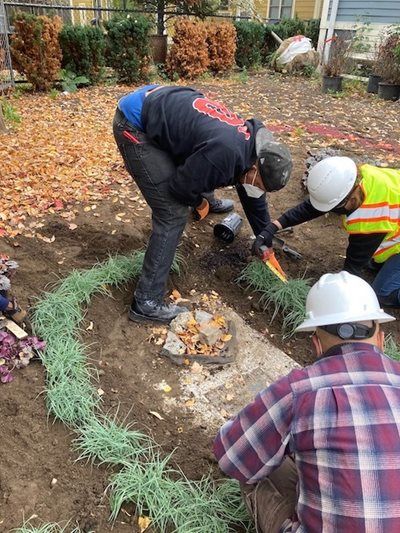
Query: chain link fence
[{"x": 6, "y": 72}]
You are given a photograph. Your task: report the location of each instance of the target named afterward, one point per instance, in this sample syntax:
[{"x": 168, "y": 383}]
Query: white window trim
[{"x": 280, "y": 8}]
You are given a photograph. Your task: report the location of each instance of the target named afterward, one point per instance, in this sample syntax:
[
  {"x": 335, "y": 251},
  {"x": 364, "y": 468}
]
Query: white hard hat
[
  {"x": 330, "y": 181},
  {"x": 340, "y": 298}
]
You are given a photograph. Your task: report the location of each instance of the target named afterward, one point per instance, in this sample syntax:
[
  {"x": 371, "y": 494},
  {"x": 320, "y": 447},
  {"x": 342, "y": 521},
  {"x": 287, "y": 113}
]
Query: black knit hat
[{"x": 275, "y": 161}]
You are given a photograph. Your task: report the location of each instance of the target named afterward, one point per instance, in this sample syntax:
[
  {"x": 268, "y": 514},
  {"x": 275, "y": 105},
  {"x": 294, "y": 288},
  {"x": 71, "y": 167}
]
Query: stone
[
  {"x": 202, "y": 316},
  {"x": 209, "y": 333},
  {"x": 173, "y": 345},
  {"x": 178, "y": 325}
]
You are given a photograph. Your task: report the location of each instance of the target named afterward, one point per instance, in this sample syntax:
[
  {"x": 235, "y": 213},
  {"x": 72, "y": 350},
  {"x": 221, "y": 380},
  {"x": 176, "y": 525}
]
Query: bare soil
[{"x": 34, "y": 450}]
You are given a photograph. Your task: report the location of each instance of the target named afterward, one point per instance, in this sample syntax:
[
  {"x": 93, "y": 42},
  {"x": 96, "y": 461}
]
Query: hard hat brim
[{"x": 310, "y": 324}]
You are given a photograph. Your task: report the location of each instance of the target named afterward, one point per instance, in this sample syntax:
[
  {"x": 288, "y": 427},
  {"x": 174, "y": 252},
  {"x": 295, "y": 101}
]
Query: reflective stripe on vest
[{"x": 380, "y": 211}]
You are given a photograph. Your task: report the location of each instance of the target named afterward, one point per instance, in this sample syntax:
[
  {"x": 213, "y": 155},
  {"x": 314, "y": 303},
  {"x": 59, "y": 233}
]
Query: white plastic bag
[{"x": 299, "y": 45}]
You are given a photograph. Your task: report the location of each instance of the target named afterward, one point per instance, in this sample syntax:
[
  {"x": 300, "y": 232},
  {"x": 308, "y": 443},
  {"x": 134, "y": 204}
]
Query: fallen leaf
[
  {"x": 46, "y": 239},
  {"x": 157, "y": 415},
  {"x": 143, "y": 523},
  {"x": 196, "y": 368},
  {"x": 90, "y": 326},
  {"x": 175, "y": 295},
  {"x": 167, "y": 388},
  {"x": 72, "y": 226}
]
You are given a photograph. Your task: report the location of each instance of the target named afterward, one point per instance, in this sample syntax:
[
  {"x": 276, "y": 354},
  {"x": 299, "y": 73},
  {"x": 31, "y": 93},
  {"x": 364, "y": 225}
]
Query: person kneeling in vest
[{"x": 368, "y": 199}]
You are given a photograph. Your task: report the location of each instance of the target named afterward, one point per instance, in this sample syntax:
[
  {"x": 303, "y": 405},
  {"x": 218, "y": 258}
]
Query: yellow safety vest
[{"x": 380, "y": 210}]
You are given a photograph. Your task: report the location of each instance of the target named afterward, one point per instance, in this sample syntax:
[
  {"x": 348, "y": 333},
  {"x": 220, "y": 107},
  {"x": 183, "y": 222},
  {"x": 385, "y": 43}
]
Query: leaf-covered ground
[
  {"x": 67, "y": 202},
  {"x": 63, "y": 151}
]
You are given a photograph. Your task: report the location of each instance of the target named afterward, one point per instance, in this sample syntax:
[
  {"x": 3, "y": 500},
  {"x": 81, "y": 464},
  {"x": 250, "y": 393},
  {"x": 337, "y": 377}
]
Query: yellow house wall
[
  {"x": 304, "y": 9},
  {"x": 260, "y": 7}
]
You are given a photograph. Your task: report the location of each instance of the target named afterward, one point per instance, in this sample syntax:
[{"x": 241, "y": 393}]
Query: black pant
[{"x": 152, "y": 169}]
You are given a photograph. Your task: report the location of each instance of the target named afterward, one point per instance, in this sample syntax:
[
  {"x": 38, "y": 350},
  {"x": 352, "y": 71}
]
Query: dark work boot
[
  {"x": 153, "y": 311},
  {"x": 221, "y": 206},
  {"x": 218, "y": 206}
]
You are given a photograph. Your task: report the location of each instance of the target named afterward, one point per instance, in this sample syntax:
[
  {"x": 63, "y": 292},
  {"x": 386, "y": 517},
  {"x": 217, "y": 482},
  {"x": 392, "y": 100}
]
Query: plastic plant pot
[
  {"x": 332, "y": 84},
  {"x": 388, "y": 91},
  {"x": 373, "y": 83},
  {"x": 228, "y": 229}
]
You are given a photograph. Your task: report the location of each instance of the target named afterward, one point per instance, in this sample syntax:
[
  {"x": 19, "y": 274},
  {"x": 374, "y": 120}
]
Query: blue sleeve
[{"x": 3, "y": 303}]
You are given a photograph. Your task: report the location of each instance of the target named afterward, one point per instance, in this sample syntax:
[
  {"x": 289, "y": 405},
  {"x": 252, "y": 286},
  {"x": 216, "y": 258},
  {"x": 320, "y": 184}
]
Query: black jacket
[
  {"x": 211, "y": 145},
  {"x": 360, "y": 249}
]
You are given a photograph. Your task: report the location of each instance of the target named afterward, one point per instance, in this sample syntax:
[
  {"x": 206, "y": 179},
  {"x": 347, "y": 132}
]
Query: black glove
[{"x": 264, "y": 240}]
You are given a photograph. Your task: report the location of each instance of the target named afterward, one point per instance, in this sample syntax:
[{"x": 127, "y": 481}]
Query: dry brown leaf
[
  {"x": 175, "y": 295},
  {"x": 143, "y": 523}
]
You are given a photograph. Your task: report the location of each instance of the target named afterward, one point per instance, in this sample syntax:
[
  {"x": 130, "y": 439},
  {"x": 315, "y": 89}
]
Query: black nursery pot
[
  {"x": 387, "y": 91},
  {"x": 332, "y": 84},
  {"x": 373, "y": 83},
  {"x": 228, "y": 229}
]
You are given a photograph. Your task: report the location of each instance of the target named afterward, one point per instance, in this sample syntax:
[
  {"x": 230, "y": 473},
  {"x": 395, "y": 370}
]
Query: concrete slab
[{"x": 215, "y": 395}]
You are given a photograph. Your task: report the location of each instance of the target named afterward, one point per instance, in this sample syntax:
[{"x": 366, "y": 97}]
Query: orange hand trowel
[{"x": 268, "y": 257}]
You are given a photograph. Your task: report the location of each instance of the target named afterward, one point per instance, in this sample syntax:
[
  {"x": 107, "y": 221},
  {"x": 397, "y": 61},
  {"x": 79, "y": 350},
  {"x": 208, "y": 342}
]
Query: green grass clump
[
  {"x": 145, "y": 477},
  {"x": 286, "y": 299},
  {"x": 47, "y": 528},
  {"x": 105, "y": 440},
  {"x": 176, "y": 503},
  {"x": 391, "y": 348}
]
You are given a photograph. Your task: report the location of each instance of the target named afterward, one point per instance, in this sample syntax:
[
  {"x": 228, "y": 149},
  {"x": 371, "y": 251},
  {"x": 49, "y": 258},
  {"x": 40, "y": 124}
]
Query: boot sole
[
  {"x": 220, "y": 212},
  {"x": 136, "y": 317}
]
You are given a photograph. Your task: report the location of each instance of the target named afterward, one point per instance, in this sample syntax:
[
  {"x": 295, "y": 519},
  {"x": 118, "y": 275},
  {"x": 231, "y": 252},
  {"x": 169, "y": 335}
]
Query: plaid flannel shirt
[{"x": 340, "y": 417}]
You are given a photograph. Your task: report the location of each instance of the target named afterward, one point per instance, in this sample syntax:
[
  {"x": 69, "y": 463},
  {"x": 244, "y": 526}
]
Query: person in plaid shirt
[{"x": 319, "y": 449}]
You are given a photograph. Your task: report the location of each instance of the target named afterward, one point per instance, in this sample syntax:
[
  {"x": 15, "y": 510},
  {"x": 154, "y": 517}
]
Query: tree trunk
[{"x": 160, "y": 17}]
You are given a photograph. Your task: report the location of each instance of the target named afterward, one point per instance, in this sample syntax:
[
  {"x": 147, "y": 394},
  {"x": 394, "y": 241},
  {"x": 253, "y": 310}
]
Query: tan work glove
[{"x": 201, "y": 211}]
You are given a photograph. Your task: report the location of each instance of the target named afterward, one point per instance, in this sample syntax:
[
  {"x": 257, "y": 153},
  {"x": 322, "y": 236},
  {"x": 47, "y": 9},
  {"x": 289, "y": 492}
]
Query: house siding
[{"x": 376, "y": 12}]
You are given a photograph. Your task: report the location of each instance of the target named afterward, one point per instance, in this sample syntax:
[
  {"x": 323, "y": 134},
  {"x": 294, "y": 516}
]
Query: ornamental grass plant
[
  {"x": 145, "y": 477},
  {"x": 286, "y": 299}
]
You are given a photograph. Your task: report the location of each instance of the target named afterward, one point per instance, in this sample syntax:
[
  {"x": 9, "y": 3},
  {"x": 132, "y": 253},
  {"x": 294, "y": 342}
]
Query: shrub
[
  {"x": 221, "y": 41},
  {"x": 249, "y": 43},
  {"x": 128, "y": 47},
  {"x": 312, "y": 31},
  {"x": 388, "y": 60},
  {"x": 35, "y": 49},
  {"x": 188, "y": 57},
  {"x": 83, "y": 49},
  {"x": 338, "y": 57}
]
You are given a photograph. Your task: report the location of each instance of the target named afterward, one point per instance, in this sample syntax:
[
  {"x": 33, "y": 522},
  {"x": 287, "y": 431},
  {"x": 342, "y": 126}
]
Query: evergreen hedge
[
  {"x": 128, "y": 47},
  {"x": 83, "y": 49},
  {"x": 249, "y": 43}
]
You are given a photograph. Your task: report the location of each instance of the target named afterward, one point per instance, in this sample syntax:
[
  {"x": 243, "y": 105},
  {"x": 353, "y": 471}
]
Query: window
[{"x": 280, "y": 9}]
